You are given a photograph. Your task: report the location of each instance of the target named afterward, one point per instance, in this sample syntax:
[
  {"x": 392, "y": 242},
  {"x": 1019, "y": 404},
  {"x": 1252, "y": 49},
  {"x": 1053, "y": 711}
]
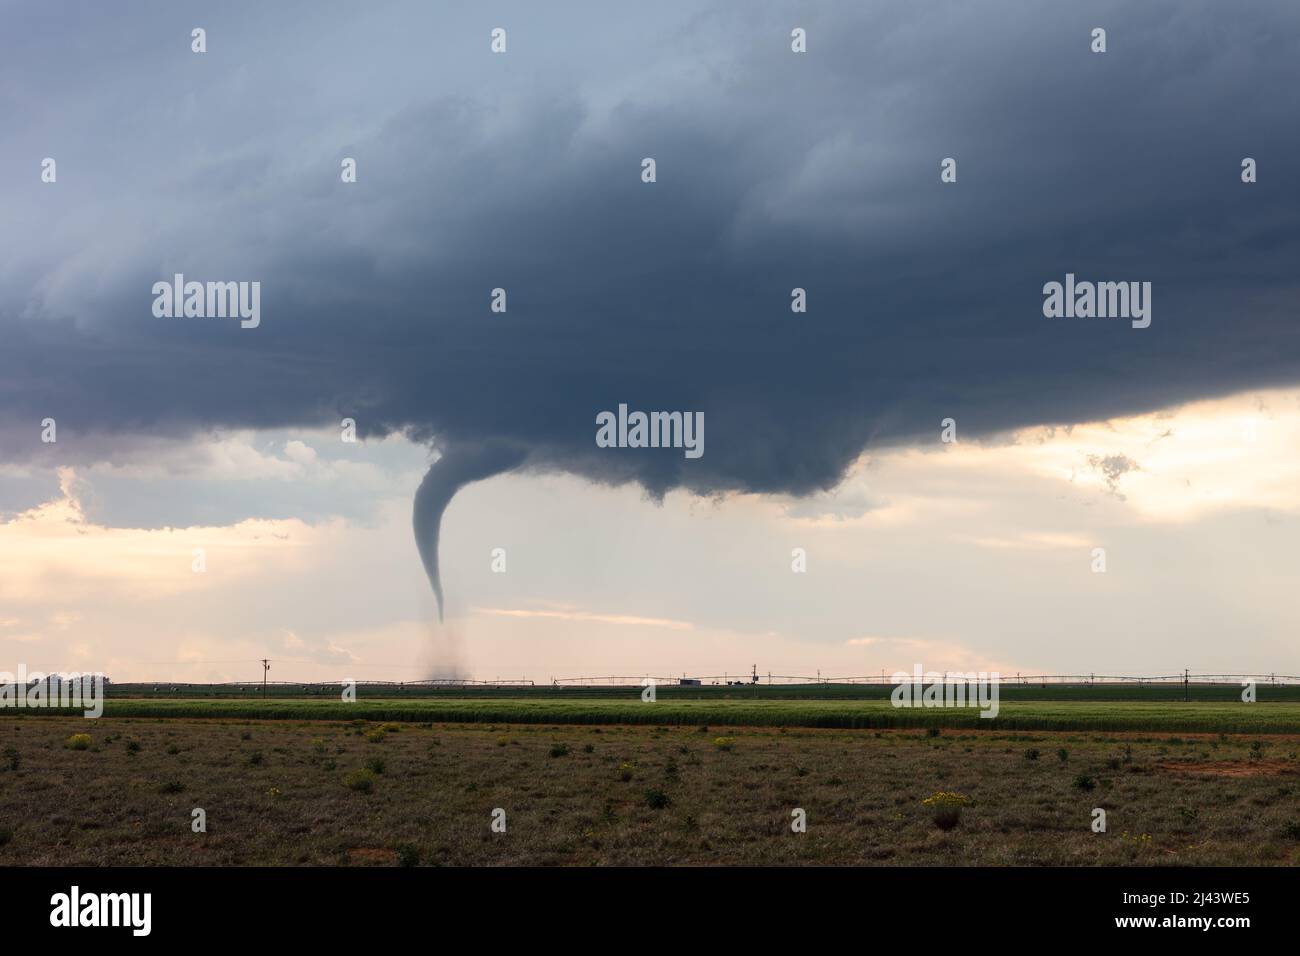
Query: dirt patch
[
  {"x": 372, "y": 856},
  {"x": 1232, "y": 768}
]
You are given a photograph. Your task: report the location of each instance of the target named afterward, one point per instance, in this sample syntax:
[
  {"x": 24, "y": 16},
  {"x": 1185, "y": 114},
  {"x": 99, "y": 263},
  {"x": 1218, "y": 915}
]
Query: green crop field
[{"x": 1264, "y": 717}]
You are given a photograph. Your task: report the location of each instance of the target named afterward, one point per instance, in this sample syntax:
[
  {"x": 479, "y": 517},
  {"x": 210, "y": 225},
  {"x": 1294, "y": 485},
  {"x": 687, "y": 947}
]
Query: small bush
[
  {"x": 376, "y": 736},
  {"x": 376, "y": 765},
  {"x": 173, "y": 750},
  {"x": 932, "y": 731},
  {"x": 656, "y": 799},
  {"x": 1084, "y": 782},
  {"x": 588, "y": 749},
  {"x": 559, "y": 750},
  {"x": 945, "y": 808},
  {"x": 1062, "y": 754},
  {"x": 1290, "y": 830},
  {"x": 11, "y": 756},
  {"x": 172, "y": 786},
  {"x": 408, "y": 854},
  {"x": 1032, "y": 754},
  {"x": 78, "y": 742},
  {"x": 625, "y": 772},
  {"x": 362, "y": 780},
  {"x": 390, "y": 727},
  {"x": 133, "y": 747},
  {"x": 724, "y": 743},
  {"x": 318, "y": 745},
  {"x": 5, "y": 835},
  {"x": 255, "y": 758},
  {"x": 246, "y": 736}
]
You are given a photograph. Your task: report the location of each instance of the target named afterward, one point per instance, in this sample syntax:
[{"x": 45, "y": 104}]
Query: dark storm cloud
[{"x": 522, "y": 171}]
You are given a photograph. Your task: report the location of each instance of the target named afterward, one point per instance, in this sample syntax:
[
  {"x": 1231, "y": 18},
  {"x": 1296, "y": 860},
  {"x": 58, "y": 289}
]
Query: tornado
[{"x": 458, "y": 466}]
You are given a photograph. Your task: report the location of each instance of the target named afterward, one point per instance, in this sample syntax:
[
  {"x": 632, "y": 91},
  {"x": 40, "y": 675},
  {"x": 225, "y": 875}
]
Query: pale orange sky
[{"x": 965, "y": 556}]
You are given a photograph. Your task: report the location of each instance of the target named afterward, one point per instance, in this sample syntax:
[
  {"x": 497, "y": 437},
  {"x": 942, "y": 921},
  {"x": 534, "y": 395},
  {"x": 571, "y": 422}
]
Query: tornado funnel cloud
[{"x": 458, "y": 466}]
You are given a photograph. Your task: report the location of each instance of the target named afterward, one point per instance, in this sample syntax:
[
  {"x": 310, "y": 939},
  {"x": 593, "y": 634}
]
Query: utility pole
[
  {"x": 1186, "y": 676},
  {"x": 266, "y": 666}
]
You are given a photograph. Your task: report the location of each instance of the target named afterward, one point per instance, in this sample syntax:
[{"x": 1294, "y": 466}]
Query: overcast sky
[{"x": 1173, "y": 447}]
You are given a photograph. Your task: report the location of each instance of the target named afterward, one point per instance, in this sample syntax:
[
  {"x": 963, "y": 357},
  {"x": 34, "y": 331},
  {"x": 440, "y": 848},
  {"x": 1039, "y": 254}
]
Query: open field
[
  {"x": 1195, "y": 692},
  {"x": 1263, "y": 717},
  {"x": 276, "y": 792}
]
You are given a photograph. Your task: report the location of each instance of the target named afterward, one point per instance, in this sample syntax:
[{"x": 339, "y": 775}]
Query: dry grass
[{"x": 275, "y": 793}]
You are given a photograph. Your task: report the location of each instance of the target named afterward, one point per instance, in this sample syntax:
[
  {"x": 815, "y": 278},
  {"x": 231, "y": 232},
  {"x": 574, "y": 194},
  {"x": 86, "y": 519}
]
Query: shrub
[
  {"x": 656, "y": 799},
  {"x": 724, "y": 743},
  {"x": 173, "y": 750},
  {"x": 376, "y": 736},
  {"x": 318, "y": 745},
  {"x": 1290, "y": 830},
  {"x": 12, "y": 757},
  {"x": 246, "y": 736},
  {"x": 78, "y": 742},
  {"x": 1084, "y": 782},
  {"x": 362, "y": 780},
  {"x": 408, "y": 854},
  {"x": 932, "y": 731},
  {"x": 1062, "y": 754},
  {"x": 273, "y": 792},
  {"x": 1135, "y": 842},
  {"x": 172, "y": 786},
  {"x": 376, "y": 765},
  {"x": 559, "y": 750},
  {"x": 255, "y": 758},
  {"x": 588, "y": 749},
  {"x": 1031, "y": 754},
  {"x": 390, "y": 727},
  {"x": 133, "y": 746},
  {"x": 5, "y": 835},
  {"x": 625, "y": 772},
  {"x": 945, "y": 808}
]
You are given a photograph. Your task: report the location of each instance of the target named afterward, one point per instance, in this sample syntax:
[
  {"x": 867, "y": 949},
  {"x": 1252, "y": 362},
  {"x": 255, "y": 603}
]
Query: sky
[{"x": 1171, "y": 447}]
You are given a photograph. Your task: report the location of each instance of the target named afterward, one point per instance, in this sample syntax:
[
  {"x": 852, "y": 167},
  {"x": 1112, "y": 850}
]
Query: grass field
[
  {"x": 297, "y": 792},
  {"x": 1263, "y": 717}
]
